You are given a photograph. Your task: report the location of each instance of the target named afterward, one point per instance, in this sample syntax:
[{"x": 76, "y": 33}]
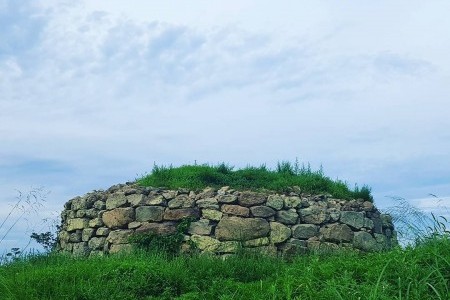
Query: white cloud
[{"x": 105, "y": 90}]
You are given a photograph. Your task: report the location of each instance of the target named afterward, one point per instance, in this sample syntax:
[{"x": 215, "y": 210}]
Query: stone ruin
[{"x": 225, "y": 219}]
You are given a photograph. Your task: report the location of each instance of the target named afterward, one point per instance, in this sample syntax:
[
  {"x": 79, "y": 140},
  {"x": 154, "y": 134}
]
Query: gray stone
[
  {"x": 157, "y": 228},
  {"x": 134, "y": 225},
  {"x": 155, "y": 200},
  {"x": 100, "y": 205},
  {"x": 223, "y": 190},
  {"x": 63, "y": 236},
  {"x": 80, "y": 213},
  {"x": 103, "y": 231},
  {"x": 241, "y": 229},
  {"x": 227, "y": 198},
  {"x": 169, "y": 195},
  {"x": 289, "y": 217},
  {"x": 292, "y": 202},
  {"x": 80, "y": 249},
  {"x": 291, "y": 250},
  {"x": 119, "y": 236},
  {"x": 181, "y": 201},
  {"x": 208, "y": 203},
  {"x": 181, "y": 213},
  {"x": 337, "y": 233},
  {"x": 116, "y": 200},
  {"x": 75, "y": 237},
  {"x": 301, "y": 243},
  {"x": 91, "y": 213},
  {"x": 368, "y": 223},
  {"x": 322, "y": 247},
  {"x": 262, "y": 211},
  {"x": 275, "y": 201},
  {"x": 118, "y": 218},
  {"x": 79, "y": 203},
  {"x": 304, "y": 231},
  {"x": 96, "y": 222},
  {"x": 236, "y": 210},
  {"x": 334, "y": 214},
  {"x": 201, "y": 227},
  {"x": 314, "y": 215},
  {"x": 386, "y": 221},
  {"x": 381, "y": 240},
  {"x": 205, "y": 243},
  {"x": 264, "y": 241},
  {"x": 251, "y": 199},
  {"x": 135, "y": 199},
  {"x": 68, "y": 205},
  {"x": 377, "y": 225},
  {"x": 97, "y": 243},
  {"x": 368, "y": 206},
  {"x": 87, "y": 234},
  {"x": 149, "y": 213},
  {"x": 279, "y": 232},
  {"x": 208, "y": 192},
  {"x": 211, "y": 214},
  {"x": 74, "y": 224},
  {"x": 353, "y": 219},
  {"x": 209, "y": 244},
  {"x": 364, "y": 241}
]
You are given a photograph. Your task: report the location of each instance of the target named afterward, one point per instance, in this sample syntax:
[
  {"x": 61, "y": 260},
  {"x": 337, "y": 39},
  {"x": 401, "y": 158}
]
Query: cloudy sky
[{"x": 93, "y": 93}]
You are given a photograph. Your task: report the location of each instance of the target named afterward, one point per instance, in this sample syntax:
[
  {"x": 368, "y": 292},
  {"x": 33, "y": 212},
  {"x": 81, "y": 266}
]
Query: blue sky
[{"x": 94, "y": 93}]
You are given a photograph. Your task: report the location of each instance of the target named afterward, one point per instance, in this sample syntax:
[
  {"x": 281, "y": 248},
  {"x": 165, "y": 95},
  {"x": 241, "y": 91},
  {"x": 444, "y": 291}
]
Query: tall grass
[
  {"x": 285, "y": 176},
  {"x": 420, "y": 272}
]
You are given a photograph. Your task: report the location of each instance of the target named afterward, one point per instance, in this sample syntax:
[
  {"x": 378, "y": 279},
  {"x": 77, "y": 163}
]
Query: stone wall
[{"x": 225, "y": 219}]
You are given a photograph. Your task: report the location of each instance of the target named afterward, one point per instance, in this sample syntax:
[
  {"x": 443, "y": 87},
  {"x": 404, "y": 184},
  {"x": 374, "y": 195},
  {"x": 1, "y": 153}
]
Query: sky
[{"x": 94, "y": 93}]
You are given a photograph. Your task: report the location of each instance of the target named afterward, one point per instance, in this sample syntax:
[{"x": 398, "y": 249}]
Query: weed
[
  {"x": 169, "y": 244},
  {"x": 282, "y": 179}
]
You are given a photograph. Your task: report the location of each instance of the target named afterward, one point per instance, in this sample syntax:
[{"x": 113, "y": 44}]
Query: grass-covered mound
[
  {"x": 421, "y": 272},
  {"x": 285, "y": 176}
]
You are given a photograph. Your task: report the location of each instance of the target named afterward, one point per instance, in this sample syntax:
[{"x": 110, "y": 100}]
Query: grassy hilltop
[
  {"x": 285, "y": 176},
  {"x": 420, "y": 271}
]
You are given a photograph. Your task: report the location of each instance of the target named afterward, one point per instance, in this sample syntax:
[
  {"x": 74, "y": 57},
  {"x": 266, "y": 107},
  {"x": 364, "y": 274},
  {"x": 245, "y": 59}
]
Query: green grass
[
  {"x": 285, "y": 176},
  {"x": 420, "y": 272}
]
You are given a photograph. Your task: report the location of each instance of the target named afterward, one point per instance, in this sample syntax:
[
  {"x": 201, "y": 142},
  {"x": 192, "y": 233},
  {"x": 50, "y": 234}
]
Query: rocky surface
[{"x": 224, "y": 220}]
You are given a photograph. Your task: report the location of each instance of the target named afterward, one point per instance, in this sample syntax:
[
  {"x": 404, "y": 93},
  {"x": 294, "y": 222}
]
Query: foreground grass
[
  {"x": 254, "y": 178},
  {"x": 422, "y": 272}
]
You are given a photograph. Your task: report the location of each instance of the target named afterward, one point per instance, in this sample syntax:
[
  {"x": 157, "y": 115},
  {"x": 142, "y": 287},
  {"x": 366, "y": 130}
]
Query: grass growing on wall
[
  {"x": 420, "y": 272},
  {"x": 254, "y": 178}
]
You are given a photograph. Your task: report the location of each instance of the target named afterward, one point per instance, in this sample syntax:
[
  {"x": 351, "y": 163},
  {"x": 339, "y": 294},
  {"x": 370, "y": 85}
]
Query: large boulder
[
  {"x": 262, "y": 211},
  {"x": 149, "y": 213},
  {"x": 364, "y": 241},
  {"x": 236, "y": 210},
  {"x": 353, "y": 218},
  {"x": 157, "y": 228},
  {"x": 241, "y": 229},
  {"x": 116, "y": 200},
  {"x": 78, "y": 223},
  {"x": 337, "y": 233},
  {"x": 118, "y": 218},
  {"x": 304, "y": 231},
  {"x": 181, "y": 213},
  {"x": 275, "y": 201},
  {"x": 314, "y": 215},
  {"x": 279, "y": 232},
  {"x": 251, "y": 199},
  {"x": 288, "y": 217}
]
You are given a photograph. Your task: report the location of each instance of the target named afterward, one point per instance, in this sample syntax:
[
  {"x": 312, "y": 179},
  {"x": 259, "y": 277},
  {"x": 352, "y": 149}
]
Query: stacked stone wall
[{"x": 224, "y": 220}]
